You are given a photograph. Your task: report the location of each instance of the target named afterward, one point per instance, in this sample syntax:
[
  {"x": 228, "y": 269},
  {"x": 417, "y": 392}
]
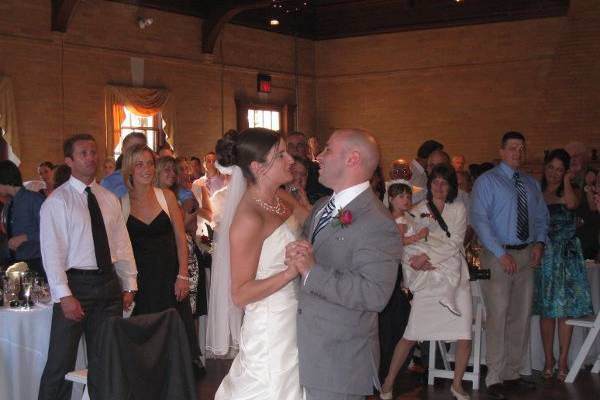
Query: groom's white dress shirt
[{"x": 343, "y": 198}]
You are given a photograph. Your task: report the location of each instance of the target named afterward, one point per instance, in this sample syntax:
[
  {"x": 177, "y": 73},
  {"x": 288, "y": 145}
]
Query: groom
[{"x": 349, "y": 262}]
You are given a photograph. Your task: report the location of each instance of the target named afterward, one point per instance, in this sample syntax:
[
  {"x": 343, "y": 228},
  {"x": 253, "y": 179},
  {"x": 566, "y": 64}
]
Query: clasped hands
[{"x": 299, "y": 257}]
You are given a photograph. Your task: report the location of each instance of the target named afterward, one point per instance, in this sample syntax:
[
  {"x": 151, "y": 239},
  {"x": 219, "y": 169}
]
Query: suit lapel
[{"x": 356, "y": 207}]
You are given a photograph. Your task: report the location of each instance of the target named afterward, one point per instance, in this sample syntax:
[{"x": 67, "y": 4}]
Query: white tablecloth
[
  {"x": 24, "y": 340},
  {"x": 536, "y": 360}
]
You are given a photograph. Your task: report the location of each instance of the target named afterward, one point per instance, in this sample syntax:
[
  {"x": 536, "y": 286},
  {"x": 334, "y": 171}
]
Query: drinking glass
[{"x": 27, "y": 285}]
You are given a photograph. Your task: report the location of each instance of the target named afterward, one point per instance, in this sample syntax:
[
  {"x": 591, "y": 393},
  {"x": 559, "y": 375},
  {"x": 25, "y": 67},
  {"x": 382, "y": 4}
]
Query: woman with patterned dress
[{"x": 562, "y": 290}]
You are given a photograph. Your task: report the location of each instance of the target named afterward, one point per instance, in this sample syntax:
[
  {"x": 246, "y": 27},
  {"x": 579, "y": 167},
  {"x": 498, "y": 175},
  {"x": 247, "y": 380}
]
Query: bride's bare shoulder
[{"x": 248, "y": 221}]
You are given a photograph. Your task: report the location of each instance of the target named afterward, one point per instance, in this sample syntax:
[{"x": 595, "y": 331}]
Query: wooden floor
[{"x": 409, "y": 387}]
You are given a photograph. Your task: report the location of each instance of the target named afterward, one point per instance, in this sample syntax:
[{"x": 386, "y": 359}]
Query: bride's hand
[{"x": 291, "y": 272}]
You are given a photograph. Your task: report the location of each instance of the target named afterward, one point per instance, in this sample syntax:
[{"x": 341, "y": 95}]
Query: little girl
[
  {"x": 416, "y": 240},
  {"x": 400, "y": 196}
]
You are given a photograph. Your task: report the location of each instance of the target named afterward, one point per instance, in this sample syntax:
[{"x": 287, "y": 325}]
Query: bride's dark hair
[{"x": 241, "y": 148}]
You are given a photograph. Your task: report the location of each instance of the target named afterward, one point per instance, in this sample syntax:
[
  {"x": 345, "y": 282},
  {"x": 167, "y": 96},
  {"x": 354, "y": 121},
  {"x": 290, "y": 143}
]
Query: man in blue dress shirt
[
  {"x": 114, "y": 182},
  {"x": 510, "y": 218}
]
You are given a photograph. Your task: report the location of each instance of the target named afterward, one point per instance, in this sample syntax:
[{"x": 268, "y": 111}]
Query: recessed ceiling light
[{"x": 274, "y": 22}]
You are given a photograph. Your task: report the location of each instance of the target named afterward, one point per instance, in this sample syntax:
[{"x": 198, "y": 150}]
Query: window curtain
[
  {"x": 8, "y": 119},
  {"x": 142, "y": 101}
]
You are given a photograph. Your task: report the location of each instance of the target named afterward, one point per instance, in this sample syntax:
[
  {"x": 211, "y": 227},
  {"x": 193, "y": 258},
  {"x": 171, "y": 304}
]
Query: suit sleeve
[{"x": 368, "y": 285}]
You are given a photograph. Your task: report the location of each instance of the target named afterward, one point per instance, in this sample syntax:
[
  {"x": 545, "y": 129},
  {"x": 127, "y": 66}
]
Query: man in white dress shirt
[
  {"x": 89, "y": 262},
  {"x": 418, "y": 165}
]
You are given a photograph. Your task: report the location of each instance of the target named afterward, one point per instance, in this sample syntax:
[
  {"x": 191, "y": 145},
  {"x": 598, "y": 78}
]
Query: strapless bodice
[{"x": 272, "y": 255}]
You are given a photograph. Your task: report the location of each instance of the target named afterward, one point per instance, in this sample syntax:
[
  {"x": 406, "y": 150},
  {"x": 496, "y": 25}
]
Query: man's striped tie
[
  {"x": 324, "y": 219},
  {"x": 522, "y": 213}
]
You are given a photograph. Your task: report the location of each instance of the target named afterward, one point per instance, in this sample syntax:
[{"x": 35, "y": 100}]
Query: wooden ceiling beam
[
  {"x": 62, "y": 11},
  {"x": 222, "y": 14}
]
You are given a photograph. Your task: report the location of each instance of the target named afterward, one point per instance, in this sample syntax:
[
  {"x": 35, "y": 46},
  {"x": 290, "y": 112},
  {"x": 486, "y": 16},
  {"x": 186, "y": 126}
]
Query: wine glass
[{"x": 27, "y": 285}]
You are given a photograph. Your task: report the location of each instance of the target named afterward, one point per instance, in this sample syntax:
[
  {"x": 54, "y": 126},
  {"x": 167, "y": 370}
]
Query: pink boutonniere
[{"x": 343, "y": 218}]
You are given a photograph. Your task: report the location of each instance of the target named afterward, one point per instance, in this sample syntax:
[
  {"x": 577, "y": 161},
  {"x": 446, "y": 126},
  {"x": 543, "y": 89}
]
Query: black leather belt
[
  {"x": 515, "y": 246},
  {"x": 89, "y": 272}
]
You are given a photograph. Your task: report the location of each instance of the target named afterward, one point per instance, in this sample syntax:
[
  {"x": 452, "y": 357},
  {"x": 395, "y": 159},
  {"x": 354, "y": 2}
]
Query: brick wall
[
  {"x": 59, "y": 79},
  {"x": 464, "y": 86}
]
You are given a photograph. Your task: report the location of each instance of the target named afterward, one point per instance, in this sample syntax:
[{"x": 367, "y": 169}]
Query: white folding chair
[
  {"x": 80, "y": 376},
  {"x": 593, "y": 324},
  {"x": 475, "y": 359}
]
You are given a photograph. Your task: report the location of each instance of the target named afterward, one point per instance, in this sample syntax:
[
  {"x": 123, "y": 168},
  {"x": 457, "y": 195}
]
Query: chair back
[{"x": 142, "y": 357}]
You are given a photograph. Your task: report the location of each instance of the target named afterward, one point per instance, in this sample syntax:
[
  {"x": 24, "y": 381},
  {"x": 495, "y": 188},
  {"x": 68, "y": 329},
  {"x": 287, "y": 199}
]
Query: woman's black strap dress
[{"x": 155, "y": 252}]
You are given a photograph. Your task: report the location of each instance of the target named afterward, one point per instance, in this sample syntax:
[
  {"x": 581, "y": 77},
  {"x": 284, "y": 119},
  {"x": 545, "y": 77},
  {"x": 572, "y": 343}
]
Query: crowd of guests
[{"x": 135, "y": 237}]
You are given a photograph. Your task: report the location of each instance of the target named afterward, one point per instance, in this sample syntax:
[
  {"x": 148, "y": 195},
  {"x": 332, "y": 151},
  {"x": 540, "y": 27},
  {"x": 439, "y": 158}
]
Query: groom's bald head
[
  {"x": 349, "y": 158},
  {"x": 364, "y": 144}
]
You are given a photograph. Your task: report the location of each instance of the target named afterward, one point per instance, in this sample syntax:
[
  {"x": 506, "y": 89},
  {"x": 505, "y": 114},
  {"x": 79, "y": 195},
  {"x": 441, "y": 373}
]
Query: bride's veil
[{"x": 224, "y": 317}]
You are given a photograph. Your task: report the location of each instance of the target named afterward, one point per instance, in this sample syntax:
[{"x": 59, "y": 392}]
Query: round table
[{"x": 24, "y": 340}]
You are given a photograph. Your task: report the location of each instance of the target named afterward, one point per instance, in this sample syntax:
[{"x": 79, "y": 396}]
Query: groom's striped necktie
[{"x": 324, "y": 219}]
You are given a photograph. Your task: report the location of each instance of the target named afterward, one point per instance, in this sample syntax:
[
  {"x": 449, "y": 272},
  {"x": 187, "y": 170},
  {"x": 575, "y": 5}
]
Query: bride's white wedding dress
[{"x": 266, "y": 366}]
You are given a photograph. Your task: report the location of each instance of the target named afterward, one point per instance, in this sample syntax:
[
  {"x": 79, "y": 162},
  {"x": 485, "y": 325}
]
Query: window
[
  {"x": 151, "y": 126},
  {"x": 278, "y": 117},
  {"x": 269, "y": 119}
]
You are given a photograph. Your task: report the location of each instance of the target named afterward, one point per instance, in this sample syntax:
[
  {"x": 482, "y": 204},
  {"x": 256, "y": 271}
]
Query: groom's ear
[{"x": 353, "y": 158}]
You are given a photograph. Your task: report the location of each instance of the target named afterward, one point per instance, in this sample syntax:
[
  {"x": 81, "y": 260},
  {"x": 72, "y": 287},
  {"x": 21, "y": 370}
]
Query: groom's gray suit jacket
[{"x": 352, "y": 281}]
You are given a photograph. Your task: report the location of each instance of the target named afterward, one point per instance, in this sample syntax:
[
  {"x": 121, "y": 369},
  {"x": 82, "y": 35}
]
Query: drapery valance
[
  {"x": 142, "y": 101},
  {"x": 8, "y": 119}
]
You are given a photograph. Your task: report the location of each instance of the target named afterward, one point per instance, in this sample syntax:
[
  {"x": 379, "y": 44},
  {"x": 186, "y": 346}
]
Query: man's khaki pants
[{"x": 508, "y": 300}]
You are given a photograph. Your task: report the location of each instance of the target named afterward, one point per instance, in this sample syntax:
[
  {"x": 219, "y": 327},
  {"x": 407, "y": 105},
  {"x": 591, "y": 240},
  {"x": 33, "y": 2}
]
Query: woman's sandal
[
  {"x": 562, "y": 375},
  {"x": 548, "y": 373}
]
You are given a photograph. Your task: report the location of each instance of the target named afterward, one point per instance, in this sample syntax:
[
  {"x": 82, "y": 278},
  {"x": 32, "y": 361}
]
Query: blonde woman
[{"x": 155, "y": 224}]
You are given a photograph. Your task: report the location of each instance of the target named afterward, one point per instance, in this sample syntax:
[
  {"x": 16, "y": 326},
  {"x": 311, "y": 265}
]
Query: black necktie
[
  {"x": 101, "y": 247},
  {"x": 522, "y": 212}
]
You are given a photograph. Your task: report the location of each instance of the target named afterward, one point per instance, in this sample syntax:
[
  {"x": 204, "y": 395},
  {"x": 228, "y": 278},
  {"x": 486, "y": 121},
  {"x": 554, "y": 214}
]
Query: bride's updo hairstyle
[{"x": 241, "y": 148}]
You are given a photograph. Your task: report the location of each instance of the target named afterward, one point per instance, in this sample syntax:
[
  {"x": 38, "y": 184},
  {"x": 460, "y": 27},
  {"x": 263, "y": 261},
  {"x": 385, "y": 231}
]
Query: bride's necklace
[{"x": 278, "y": 208}]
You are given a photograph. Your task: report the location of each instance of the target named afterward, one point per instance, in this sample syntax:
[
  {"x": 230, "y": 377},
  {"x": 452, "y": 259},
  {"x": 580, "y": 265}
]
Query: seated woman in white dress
[
  {"x": 443, "y": 251},
  {"x": 265, "y": 219}
]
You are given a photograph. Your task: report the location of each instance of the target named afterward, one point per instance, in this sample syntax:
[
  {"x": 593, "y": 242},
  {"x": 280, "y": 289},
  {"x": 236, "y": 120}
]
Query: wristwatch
[{"x": 130, "y": 291}]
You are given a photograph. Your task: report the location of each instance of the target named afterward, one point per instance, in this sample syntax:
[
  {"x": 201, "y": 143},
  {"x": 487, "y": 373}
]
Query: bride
[{"x": 264, "y": 221}]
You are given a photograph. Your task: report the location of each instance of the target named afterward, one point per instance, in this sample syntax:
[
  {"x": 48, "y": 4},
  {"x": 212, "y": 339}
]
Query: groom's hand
[{"x": 300, "y": 254}]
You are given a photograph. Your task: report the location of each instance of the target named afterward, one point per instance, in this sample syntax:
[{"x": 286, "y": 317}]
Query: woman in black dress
[{"x": 155, "y": 226}]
